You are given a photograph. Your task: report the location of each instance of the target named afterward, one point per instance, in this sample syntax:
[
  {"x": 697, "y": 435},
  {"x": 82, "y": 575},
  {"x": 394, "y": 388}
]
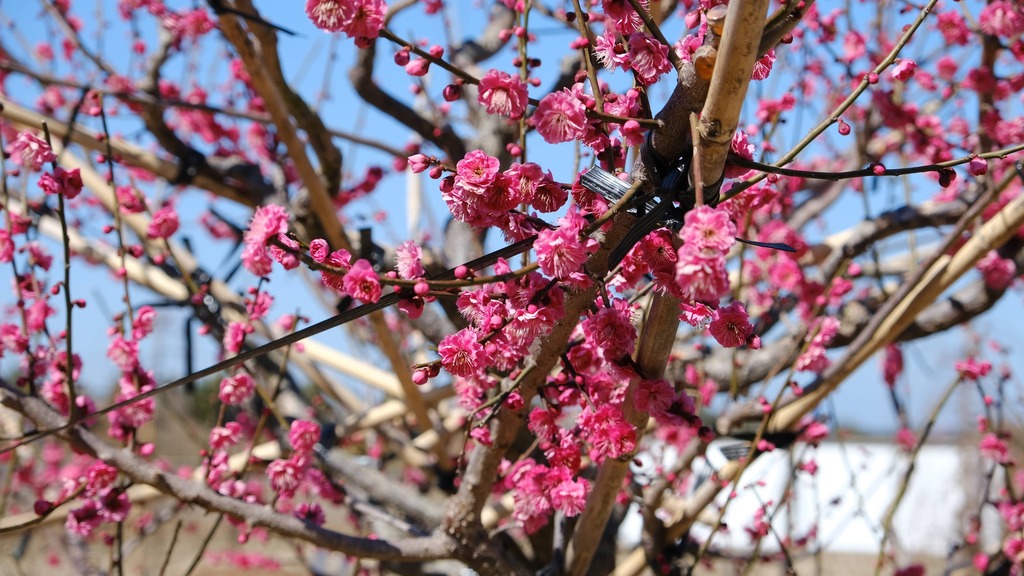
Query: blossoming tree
[{"x": 648, "y": 268}]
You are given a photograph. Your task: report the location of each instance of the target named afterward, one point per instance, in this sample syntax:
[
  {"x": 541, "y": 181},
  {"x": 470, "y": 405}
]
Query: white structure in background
[{"x": 848, "y": 498}]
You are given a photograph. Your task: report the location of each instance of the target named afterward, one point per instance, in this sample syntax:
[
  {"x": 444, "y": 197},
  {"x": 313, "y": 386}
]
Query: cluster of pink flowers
[
  {"x": 287, "y": 474},
  {"x": 268, "y": 223},
  {"x": 539, "y": 490},
  {"x": 561, "y": 253},
  {"x": 700, "y": 272},
  {"x": 67, "y": 183},
  {"x": 997, "y": 272},
  {"x": 123, "y": 350},
  {"x": 360, "y": 19},
  {"x": 972, "y": 369},
  {"x": 103, "y": 501},
  {"x": 480, "y": 195},
  {"x": 512, "y": 315},
  {"x": 813, "y": 359}
]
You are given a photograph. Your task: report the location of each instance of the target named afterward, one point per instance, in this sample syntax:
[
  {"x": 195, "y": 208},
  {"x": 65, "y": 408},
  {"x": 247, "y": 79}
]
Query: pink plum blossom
[
  {"x": 560, "y": 117},
  {"x": 502, "y": 94}
]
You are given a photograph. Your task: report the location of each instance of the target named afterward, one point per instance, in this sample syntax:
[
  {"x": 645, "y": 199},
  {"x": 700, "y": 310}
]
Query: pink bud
[
  {"x": 402, "y": 56},
  {"x": 436, "y": 51},
  {"x": 904, "y": 70},
  {"x": 946, "y": 177},
  {"x": 844, "y": 128},
  {"x": 452, "y": 92},
  {"x": 417, "y": 67},
  {"x": 418, "y": 163},
  {"x": 420, "y": 377},
  {"x": 692, "y": 19},
  {"x": 978, "y": 166},
  {"x": 42, "y": 507},
  {"x": 878, "y": 169}
]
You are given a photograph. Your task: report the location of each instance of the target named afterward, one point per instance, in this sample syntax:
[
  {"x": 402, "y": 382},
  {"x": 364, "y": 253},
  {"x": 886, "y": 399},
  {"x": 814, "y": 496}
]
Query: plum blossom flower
[
  {"x": 560, "y": 252},
  {"x": 1001, "y": 18},
  {"x": 356, "y": 18},
  {"x": 906, "y": 439},
  {"x": 971, "y": 369},
  {"x": 696, "y": 314},
  {"x": 31, "y": 151},
  {"x": 503, "y": 94},
  {"x": 953, "y": 27},
  {"x": 362, "y": 282},
  {"x": 742, "y": 147},
  {"x": 303, "y": 436},
  {"x": 611, "y": 330},
  {"x": 164, "y": 223},
  {"x": 461, "y": 353},
  {"x": 892, "y": 364},
  {"x": 570, "y": 495},
  {"x": 623, "y": 15},
  {"x": 267, "y": 222},
  {"x": 476, "y": 170},
  {"x": 318, "y": 250},
  {"x": 647, "y": 57},
  {"x": 226, "y": 436},
  {"x": 61, "y": 181},
  {"x": 312, "y": 513},
  {"x": 408, "y": 257},
  {"x": 608, "y": 432},
  {"x": 235, "y": 390},
  {"x": 654, "y": 395},
  {"x": 478, "y": 194},
  {"x": 998, "y": 272},
  {"x": 136, "y": 414},
  {"x": 129, "y": 200},
  {"x": 6, "y": 247},
  {"x": 560, "y": 117},
  {"x": 994, "y": 447},
  {"x": 99, "y": 476},
  {"x": 700, "y": 277},
  {"x": 124, "y": 353},
  {"x": 285, "y": 475},
  {"x": 763, "y": 67},
  {"x": 813, "y": 358},
  {"x": 609, "y": 52},
  {"x": 731, "y": 325},
  {"x": 708, "y": 229},
  {"x": 143, "y": 324},
  {"x": 83, "y": 520},
  {"x": 342, "y": 260},
  {"x": 814, "y": 433}
]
